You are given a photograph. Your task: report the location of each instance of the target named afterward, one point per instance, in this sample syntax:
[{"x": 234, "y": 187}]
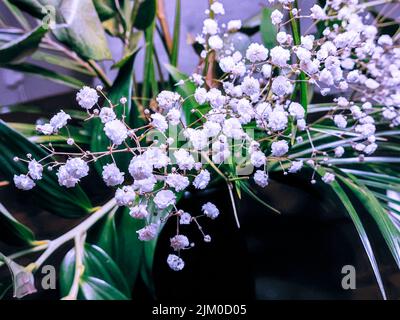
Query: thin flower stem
[{"x": 79, "y": 229}]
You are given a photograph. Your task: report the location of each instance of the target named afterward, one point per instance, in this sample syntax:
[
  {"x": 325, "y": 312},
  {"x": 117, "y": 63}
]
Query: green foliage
[
  {"x": 50, "y": 195},
  {"x": 101, "y": 279}
]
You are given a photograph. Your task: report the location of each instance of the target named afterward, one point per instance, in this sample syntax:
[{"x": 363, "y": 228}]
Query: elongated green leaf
[
  {"x": 16, "y": 50},
  {"x": 83, "y": 32},
  {"x": 105, "y": 8},
  {"x": 267, "y": 29},
  {"x": 71, "y": 202},
  {"x": 77, "y": 25},
  {"x": 389, "y": 231},
  {"x": 17, "y": 14},
  {"x": 99, "y": 265},
  {"x": 45, "y": 73},
  {"x": 244, "y": 185},
  {"x": 149, "y": 87},
  {"x": 12, "y": 231},
  {"x": 97, "y": 289},
  {"x": 122, "y": 87},
  {"x": 360, "y": 229},
  {"x": 33, "y": 7},
  {"x": 177, "y": 29},
  {"x": 60, "y": 61},
  {"x": 119, "y": 239},
  {"x": 146, "y": 14}
]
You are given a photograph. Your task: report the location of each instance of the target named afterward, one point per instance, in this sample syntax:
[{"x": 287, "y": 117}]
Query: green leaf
[
  {"x": 97, "y": 265},
  {"x": 267, "y": 29},
  {"x": 246, "y": 188},
  {"x": 149, "y": 77},
  {"x": 105, "y": 8},
  {"x": 33, "y": 7},
  {"x": 388, "y": 230},
  {"x": 60, "y": 61},
  {"x": 84, "y": 32},
  {"x": 177, "y": 29},
  {"x": 119, "y": 239},
  {"x": 97, "y": 289},
  {"x": 146, "y": 14},
  {"x": 295, "y": 24},
  {"x": 17, "y": 14},
  {"x": 49, "y": 194},
  {"x": 122, "y": 87},
  {"x": 23, "y": 46},
  {"x": 12, "y": 231},
  {"x": 77, "y": 25},
  {"x": 45, "y": 73},
  {"x": 359, "y": 227}
]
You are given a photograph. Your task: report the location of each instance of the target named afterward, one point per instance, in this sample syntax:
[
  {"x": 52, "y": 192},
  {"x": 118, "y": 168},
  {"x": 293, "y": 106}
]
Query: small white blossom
[
  {"x": 281, "y": 86},
  {"x": 177, "y": 181},
  {"x": 140, "y": 168},
  {"x": 210, "y": 210},
  {"x": 261, "y": 178},
  {"x": 328, "y": 178},
  {"x": 125, "y": 196},
  {"x": 184, "y": 159},
  {"x": 340, "y": 121},
  {"x": 149, "y": 232},
  {"x": 164, "y": 198},
  {"x": 277, "y": 120},
  {"x": 159, "y": 122},
  {"x": 296, "y": 110},
  {"x": 233, "y": 129},
  {"x": 280, "y": 56},
  {"x": 35, "y": 170},
  {"x": 46, "y": 128},
  {"x": 215, "y": 42},
  {"x": 116, "y": 131},
  {"x": 23, "y": 182},
  {"x": 185, "y": 218},
  {"x": 258, "y": 159},
  {"x": 296, "y": 166},
  {"x": 210, "y": 27},
  {"x": 339, "y": 151},
  {"x": 279, "y": 148},
  {"x": 217, "y": 8},
  {"x": 256, "y": 53},
  {"x": 175, "y": 263},
  {"x": 276, "y": 17},
  {"x": 87, "y": 97},
  {"x": 107, "y": 114},
  {"x": 168, "y": 100},
  {"x": 234, "y": 25},
  {"x": 59, "y": 120},
  {"x": 139, "y": 212},
  {"x": 202, "y": 179},
  {"x": 179, "y": 242},
  {"x": 112, "y": 176}
]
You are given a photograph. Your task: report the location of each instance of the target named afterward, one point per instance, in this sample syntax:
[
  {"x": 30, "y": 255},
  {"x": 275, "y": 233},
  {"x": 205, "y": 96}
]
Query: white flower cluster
[{"x": 257, "y": 93}]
